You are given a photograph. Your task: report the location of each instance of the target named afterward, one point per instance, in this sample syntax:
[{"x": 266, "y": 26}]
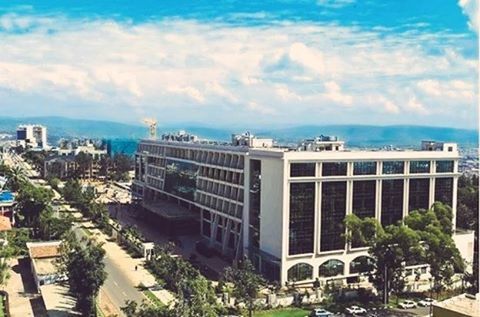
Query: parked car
[
  {"x": 320, "y": 312},
  {"x": 426, "y": 302},
  {"x": 356, "y": 310},
  {"x": 408, "y": 304}
]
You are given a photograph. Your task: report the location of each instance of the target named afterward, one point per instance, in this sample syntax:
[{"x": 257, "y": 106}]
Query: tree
[
  {"x": 122, "y": 164},
  {"x": 246, "y": 282},
  {"x": 85, "y": 268},
  {"x": 53, "y": 228},
  {"x": 424, "y": 237},
  {"x": 72, "y": 190},
  {"x": 31, "y": 202},
  {"x": 16, "y": 178},
  {"x": 84, "y": 163},
  {"x": 132, "y": 309}
]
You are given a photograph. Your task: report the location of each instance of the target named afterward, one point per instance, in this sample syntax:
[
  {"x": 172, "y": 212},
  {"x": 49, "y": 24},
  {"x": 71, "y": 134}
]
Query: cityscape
[{"x": 304, "y": 159}]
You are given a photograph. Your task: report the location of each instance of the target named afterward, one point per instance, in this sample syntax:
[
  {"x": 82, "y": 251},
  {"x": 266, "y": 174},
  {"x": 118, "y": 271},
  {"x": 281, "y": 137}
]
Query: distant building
[
  {"x": 32, "y": 136},
  {"x": 59, "y": 166},
  {"x": 86, "y": 146},
  {"x": 284, "y": 207},
  {"x": 464, "y": 305}
]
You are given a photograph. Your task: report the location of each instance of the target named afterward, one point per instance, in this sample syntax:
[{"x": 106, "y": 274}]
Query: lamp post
[{"x": 431, "y": 295}]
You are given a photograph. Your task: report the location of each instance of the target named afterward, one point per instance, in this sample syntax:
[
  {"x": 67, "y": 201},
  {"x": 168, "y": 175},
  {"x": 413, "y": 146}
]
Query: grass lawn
[
  {"x": 286, "y": 312},
  {"x": 154, "y": 299},
  {"x": 2, "y": 313}
]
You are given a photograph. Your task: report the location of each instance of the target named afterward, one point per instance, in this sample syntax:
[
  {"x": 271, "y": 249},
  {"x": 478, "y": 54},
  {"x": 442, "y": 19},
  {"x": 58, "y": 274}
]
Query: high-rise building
[
  {"x": 284, "y": 207},
  {"x": 32, "y": 136}
]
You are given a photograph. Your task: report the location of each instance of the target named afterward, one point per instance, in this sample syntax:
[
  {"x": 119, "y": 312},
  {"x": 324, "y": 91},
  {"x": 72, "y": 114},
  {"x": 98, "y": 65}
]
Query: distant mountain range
[{"x": 354, "y": 135}]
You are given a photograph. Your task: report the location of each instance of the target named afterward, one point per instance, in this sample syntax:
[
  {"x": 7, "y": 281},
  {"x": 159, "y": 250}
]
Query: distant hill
[{"x": 354, "y": 135}]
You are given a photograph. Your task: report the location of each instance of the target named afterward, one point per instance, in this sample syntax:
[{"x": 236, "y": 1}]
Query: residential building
[
  {"x": 32, "y": 136},
  {"x": 284, "y": 206}
]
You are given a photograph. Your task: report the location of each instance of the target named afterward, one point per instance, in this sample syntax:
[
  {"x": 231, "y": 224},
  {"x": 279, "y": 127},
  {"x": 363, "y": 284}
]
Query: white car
[
  {"x": 320, "y": 312},
  {"x": 408, "y": 304},
  {"x": 426, "y": 302},
  {"x": 356, "y": 310}
]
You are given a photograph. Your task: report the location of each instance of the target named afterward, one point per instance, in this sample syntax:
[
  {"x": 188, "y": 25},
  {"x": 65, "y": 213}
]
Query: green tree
[
  {"x": 246, "y": 282},
  {"x": 16, "y": 178},
  {"x": 53, "y": 228},
  {"x": 132, "y": 309},
  {"x": 85, "y": 268},
  {"x": 122, "y": 164},
  {"x": 84, "y": 163},
  {"x": 72, "y": 191},
  {"x": 31, "y": 202}
]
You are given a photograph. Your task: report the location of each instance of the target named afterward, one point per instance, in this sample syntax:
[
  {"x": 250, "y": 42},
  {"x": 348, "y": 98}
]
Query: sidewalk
[{"x": 127, "y": 264}]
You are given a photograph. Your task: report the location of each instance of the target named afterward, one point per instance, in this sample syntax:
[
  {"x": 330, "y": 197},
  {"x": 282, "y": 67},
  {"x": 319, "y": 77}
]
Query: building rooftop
[
  {"x": 40, "y": 250},
  {"x": 467, "y": 305},
  {"x": 6, "y": 196},
  {"x": 5, "y": 224}
]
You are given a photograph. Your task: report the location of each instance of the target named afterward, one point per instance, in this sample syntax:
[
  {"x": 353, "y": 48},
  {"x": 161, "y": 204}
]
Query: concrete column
[
  {"x": 431, "y": 198},
  {"x": 454, "y": 202},
  {"x": 406, "y": 187}
]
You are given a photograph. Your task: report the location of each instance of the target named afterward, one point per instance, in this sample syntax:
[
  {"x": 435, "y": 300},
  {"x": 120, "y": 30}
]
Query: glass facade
[
  {"x": 254, "y": 214},
  {"x": 180, "y": 179},
  {"x": 363, "y": 201},
  {"x": 392, "y": 201},
  {"x": 393, "y": 167},
  {"x": 331, "y": 268},
  {"x": 302, "y": 169},
  {"x": 334, "y": 195},
  {"x": 302, "y": 218},
  {"x": 300, "y": 272},
  {"x": 334, "y": 169},
  {"x": 444, "y": 166},
  {"x": 444, "y": 190},
  {"x": 418, "y": 194},
  {"x": 417, "y": 167},
  {"x": 364, "y": 168}
]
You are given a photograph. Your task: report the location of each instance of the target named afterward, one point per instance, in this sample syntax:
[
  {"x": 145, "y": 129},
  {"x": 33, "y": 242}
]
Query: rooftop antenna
[{"x": 152, "y": 125}]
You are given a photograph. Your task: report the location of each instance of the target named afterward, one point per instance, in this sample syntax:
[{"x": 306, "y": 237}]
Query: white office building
[
  {"x": 284, "y": 207},
  {"x": 32, "y": 136}
]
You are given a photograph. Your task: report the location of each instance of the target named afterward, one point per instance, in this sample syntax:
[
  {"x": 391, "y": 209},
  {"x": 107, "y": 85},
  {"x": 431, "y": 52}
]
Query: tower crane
[{"x": 152, "y": 124}]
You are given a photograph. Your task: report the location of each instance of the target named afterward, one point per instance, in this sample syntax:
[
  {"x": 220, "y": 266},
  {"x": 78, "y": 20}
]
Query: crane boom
[{"x": 152, "y": 124}]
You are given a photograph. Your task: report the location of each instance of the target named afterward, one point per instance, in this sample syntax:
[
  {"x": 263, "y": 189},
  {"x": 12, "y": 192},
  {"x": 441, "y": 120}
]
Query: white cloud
[
  {"x": 471, "y": 9},
  {"x": 295, "y": 71},
  {"x": 335, "y": 4}
]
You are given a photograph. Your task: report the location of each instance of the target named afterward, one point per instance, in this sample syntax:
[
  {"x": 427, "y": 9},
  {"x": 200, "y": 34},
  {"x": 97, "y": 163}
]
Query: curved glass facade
[
  {"x": 300, "y": 272},
  {"x": 331, "y": 268}
]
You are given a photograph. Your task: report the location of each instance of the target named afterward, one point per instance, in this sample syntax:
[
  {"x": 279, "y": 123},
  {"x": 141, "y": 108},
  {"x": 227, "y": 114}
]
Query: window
[
  {"x": 363, "y": 202},
  {"x": 254, "y": 212},
  {"x": 334, "y": 169},
  {"x": 331, "y": 268},
  {"x": 444, "y": 166},
  {"x": 302, "y": 217},
  {"x": 332, "y": 216},
  {"x": 364, "y": 168},
  {"x": 302, "y": 169},
  {"x": 419, "y": 193},
  {"x": 361, "y": 264},
  {"x": 300, "y": 272},
  {"x": 393, "y": 167},
  {"x": 392, "y": 201},
  {"x": 206, "y": 228},
  {"x": 417, "y": 167},
  {"x": 444, "y": 190}
]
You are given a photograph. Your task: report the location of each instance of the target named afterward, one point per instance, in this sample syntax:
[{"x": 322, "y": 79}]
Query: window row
[
  {"x": 368, "y": 168},
  {"x": 219, "y": 189},
  {"x": 364, "y": 195},
  {"x": 152, "y": 149},
  {"x": 155, "y": 171},
  {"x": 224, "y": 206},
  {"x": 156, "y": 183},
  {"x": 221, "y": 175},
  {"x": 330, "y": 268}
]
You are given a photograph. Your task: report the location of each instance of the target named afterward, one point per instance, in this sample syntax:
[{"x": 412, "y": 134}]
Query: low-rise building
[
  {"x": 464, "y": 305},
  {"x": 49, "y": 281},
  {"x": 7, "y": 205}
]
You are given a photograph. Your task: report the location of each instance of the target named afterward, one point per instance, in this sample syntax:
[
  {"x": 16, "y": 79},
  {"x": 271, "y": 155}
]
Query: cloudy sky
[{"x": 242, "y": 63}]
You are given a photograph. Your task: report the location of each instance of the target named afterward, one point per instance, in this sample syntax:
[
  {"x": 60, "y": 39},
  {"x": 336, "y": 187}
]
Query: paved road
[{"x": 117, "y": 286}]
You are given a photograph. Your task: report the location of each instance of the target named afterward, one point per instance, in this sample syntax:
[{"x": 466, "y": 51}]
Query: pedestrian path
[{"x": 132, "y": 268}]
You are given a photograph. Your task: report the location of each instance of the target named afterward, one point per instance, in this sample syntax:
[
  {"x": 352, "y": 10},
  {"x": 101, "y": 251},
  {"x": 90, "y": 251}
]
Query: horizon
[{"x": 280, "y": 64}]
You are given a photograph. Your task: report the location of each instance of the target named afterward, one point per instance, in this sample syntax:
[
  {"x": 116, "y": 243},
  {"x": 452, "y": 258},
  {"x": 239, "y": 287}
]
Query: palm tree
[{"x": 16, "y": 177}]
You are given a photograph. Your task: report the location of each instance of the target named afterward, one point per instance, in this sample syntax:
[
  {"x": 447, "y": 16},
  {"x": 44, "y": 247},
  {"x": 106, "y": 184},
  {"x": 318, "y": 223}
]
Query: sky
[{"x": 249, "y": 63}]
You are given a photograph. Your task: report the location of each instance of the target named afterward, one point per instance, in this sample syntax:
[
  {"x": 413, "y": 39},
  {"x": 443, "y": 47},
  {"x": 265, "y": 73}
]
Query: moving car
[
  {"x": 426, "y": 302},
  {"x": 320, "y": 312},
  {"x": 356, "y": 310},
  {"x": 407, "y": 304}
]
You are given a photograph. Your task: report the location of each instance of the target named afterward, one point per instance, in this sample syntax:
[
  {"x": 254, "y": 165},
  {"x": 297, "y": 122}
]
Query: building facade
[
  {"x": 32, "y": 136},
  {"x": 284, "y": 207}
]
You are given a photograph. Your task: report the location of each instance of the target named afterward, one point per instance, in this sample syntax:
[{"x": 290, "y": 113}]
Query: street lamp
[{"x": 431, "y": 295}]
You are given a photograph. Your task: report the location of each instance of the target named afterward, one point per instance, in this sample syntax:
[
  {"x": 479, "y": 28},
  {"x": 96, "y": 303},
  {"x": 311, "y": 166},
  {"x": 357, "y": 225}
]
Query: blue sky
[{"x": 242, "y": 63}]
